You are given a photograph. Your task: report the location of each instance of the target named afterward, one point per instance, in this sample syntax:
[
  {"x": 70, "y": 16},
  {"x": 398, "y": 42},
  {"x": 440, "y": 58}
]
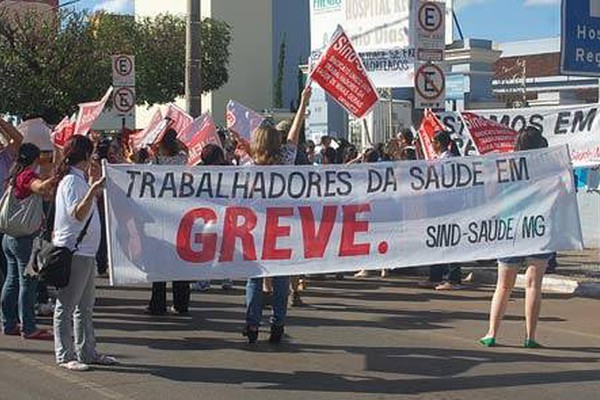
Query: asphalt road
[{"x": 356, "y": 339}]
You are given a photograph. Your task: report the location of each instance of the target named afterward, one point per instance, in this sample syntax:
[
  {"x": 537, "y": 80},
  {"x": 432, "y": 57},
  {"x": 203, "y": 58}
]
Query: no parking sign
[{"x": 430, "y": 87}]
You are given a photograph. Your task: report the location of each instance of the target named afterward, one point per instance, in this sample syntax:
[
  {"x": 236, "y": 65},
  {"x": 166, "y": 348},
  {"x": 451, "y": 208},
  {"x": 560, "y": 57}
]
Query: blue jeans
[
  {"x": 19, "y": 292},
  {"x": 254, "y": 300}
]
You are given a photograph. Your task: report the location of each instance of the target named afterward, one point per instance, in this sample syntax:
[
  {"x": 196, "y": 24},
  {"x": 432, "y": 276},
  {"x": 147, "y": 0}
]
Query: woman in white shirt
[{"x": 75, "y": 208}]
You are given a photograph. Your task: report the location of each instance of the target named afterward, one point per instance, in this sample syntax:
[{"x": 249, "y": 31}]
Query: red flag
[
  {"x": 179, "y": 119},
  {"x": 430, "y": 125},
  {"x": 63, "y": 132},
  {"x": 489, "y": 136},
  {"x": 199, "y": 133},
  {"x": 341, "y": 73},
  {"x": 89, "y": 112}
]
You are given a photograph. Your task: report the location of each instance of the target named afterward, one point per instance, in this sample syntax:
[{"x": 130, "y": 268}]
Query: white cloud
[
  {"x": 114, "y": 6},
  {"x": 533, "y": 3},
  {"x": 460, "y": 4}
]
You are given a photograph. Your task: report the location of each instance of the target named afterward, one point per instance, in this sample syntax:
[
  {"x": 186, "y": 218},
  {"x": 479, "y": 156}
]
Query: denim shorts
[{"x": 518, "y": 261}]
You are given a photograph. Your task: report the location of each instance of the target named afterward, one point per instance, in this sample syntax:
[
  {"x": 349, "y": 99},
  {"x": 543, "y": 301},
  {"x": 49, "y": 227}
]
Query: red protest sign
[
  {"x": 178, "y": 117},
  {"x": 340, "y": 72},
  {"x": 89, "y": 113},
  {"x": 197, "y": 135},
  {"x": 430, "y": 125},
  {"x": 137, "y": 141},
  {"x": 63, "y": 132},
  {"x": 489, "y": 136}
]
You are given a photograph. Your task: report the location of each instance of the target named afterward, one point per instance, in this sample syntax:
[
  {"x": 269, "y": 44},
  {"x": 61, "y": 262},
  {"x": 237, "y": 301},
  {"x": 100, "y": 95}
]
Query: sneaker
[
  {"x": 44, "y": 309},
  {"x": 178, "y": 312},
  {"x": 276, "y": 334},
  {"x": 449, "y": 286},
  {"x": 384, "y": 273},
  {"x": 227, "y": 284},
  {"x": 40, "y": 334},
  {"x": 16, "y": 331},
  {"x": 201, "y": 286},
  {"x": 74, "y": 366}
]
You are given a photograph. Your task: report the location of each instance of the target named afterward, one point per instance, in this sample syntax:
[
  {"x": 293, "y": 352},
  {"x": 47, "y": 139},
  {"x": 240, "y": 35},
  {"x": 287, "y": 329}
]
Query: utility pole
[{"x": 193, "y": 60}]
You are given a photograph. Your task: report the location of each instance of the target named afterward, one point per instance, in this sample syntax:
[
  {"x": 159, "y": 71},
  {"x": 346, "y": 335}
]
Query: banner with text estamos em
[
  {"x": 430, "y": 125},
  {"x": 489, "y": 136},
  {"x": 89, "y": 113},
  {"x": 197, "y": 135},
  {"x": 170, "y": 223},
  {"x": 341, "y": 73}
]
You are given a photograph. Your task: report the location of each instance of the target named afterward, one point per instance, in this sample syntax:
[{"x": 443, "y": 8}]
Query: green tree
[
  {"x": 278, "y": 92},
  {"x": 49, "y": 64}
]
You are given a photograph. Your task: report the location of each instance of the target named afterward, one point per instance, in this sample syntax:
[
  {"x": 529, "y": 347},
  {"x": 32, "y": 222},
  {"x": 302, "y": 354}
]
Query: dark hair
[
  {"x": 408, "y": 153},
  {"x": 170, "y": 143},
  {"x": 141, "y": 156},
  {"x": 530, "y": 138},
  {"x": 372, "y": 156},
  {"x": 446, "y": 142},
  {"x": 213, "y": 155},
  {"x": 330, "y": 154},
  {"x": 77, "y": 149},
  {"x": 350, "y": 153},
  {"x": 27, "y": 154},
  {"x": 102, "y": 148}
]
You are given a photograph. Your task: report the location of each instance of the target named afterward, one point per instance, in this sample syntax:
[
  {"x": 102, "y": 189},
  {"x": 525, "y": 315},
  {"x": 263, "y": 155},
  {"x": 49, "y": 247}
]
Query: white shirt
[{"x": 70, "y": 192}]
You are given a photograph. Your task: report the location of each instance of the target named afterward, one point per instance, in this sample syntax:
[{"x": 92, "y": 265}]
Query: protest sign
[
  {"x": 179, "y": 223},
  {"x": 489, "y": 136},
  {"x": 157, "y": 123},
  {"x": 63, "y": 132},
  {"x": 89, "y": 113},
  {"x": 340, "y": 72},
  {"x": 576, "y": 126},
  {"x": 179, "y": 119},
  {"x": 430, "y": 125},
  {"x": 199, "y": 133},
  {"x": 242, "y": 120}
]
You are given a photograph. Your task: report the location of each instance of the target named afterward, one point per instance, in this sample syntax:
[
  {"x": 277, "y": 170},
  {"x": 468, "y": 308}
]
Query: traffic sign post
[
  {"x": 580, "y": 37},
  {"x": 430, "y": 30},
  {"x": 123, "y": 70},
  {"x": 124, "y": 100},
  {"x": 430, "y": 87}
]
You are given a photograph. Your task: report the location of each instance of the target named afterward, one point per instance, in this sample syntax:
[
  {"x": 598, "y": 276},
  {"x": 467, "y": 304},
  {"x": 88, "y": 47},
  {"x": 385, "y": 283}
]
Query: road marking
[{"x": 69, "y": 377}]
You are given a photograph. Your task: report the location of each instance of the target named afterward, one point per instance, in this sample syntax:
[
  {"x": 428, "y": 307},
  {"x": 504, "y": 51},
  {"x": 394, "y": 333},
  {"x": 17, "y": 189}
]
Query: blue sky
[{"x": 499, "y": 20}]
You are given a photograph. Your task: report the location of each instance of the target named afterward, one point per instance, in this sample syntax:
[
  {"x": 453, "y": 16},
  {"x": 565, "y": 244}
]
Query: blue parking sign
[{"x": 580, "y": 37}]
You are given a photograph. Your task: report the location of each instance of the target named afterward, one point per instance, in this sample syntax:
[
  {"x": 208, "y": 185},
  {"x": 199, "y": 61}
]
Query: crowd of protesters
[{"x": 74, "y": 213}]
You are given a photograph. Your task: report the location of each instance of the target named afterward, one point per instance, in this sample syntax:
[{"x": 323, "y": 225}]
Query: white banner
[
  {"x": 181, "y": 223},
  {"x": 576, "y": 126}
]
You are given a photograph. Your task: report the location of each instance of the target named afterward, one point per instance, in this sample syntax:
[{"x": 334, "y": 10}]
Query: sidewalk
[{"x": 578, "y": 273}]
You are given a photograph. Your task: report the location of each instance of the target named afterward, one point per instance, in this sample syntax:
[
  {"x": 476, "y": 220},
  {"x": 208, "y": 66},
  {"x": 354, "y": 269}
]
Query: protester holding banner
[
  {"x": 267, "y": 149},
  {"x": 76, "y": 215},
  {"x": 19, "y": 291},
  {"x": 170, "y": 152},
  {"x": 444, "y": 147},
  {"x": 508, "y": 268}
]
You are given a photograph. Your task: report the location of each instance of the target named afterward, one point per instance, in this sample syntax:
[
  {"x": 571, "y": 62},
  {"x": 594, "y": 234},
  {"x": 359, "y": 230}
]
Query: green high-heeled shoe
[
  {"x": 487, "y": 342},
  {"x": 531, "y": 344}
]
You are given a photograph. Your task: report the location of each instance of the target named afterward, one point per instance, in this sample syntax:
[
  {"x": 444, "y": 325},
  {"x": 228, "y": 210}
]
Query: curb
[{"x": 550, "y": 284}]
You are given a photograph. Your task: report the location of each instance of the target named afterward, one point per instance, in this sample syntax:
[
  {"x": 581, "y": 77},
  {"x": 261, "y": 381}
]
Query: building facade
[{"x": 259, "y": 27}]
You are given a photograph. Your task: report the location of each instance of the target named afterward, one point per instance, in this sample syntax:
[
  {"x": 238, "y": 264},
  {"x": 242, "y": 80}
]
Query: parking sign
[{"x": 580, "y": 37}]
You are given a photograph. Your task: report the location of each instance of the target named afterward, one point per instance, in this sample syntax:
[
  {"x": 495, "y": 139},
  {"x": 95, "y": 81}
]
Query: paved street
[{"x": 356, "y": 340}]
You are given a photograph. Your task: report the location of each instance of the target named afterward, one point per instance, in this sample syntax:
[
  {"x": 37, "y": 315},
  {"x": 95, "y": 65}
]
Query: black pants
[
  {"x": 181, "y": 296},
  {"x": 451, "y": 272},
  {"x": 2, "y": 264},
  {"x": 102, "y": 253}
]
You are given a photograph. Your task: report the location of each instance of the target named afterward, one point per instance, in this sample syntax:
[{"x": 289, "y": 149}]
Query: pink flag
[
  {"x": 429, "y": 127},
  {"x": 89, "y": 113},
  {"x": 179, "y": 119},
  {"x": 197, "y": 135},
  {"x": 489, "y": 136},
  {"x": 137, "y": 140}
]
